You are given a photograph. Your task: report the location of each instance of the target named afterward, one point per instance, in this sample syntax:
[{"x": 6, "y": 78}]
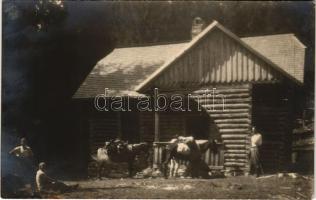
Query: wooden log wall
[
  {"x": 146, "y": 126},
  {"x": 102, "y": 126},
  {"x": 233, "y": 120},
  {"x": 130, "y": 126},
  {"x": 171, "y": 124}
]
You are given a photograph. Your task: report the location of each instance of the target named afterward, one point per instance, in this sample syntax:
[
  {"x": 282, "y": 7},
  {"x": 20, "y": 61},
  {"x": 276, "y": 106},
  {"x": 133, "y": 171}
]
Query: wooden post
[
  {"x": 119, "y": 125},
  {"x": 157, "y": 136},
  {"x": 184, "y": 126},
  {"x": 248, "y": 141},
  {"x": 157, "y": 131}
]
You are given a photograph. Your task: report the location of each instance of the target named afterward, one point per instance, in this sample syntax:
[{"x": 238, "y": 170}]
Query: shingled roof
[
  {"x": 285, "y": 50},
  {"x": 124, "y": 69}
]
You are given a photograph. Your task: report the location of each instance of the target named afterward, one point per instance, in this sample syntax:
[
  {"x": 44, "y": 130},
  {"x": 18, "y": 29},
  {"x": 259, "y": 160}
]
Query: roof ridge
[
  {"x": 290, "y": 34},
  {"x": 187, "y": 41},
  {"x": 153, "y": 44}
]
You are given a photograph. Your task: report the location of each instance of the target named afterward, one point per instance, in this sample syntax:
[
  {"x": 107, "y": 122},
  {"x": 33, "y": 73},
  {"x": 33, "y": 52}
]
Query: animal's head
[
  {"x": 183, "y": 148},
  {"x": 145, "y": 147},
  {"x": 111, "y": 147},
  {"x": 120, "y": 147},
  {"x": 106, "y": 144}
]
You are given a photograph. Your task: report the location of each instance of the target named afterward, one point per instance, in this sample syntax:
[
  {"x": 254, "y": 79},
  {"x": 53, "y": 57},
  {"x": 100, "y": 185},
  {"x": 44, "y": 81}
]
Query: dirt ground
[{"x": 266, "y": 187}]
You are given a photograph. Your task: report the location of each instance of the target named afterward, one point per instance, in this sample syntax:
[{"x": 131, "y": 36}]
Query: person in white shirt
[
  {"x": 102, "y": 159},
  {"x": 45, "y": 184},
  {"x": 22, "y": 151},
  {"x": 255, "y": 142},
  {"x": 24, "y": 162}
]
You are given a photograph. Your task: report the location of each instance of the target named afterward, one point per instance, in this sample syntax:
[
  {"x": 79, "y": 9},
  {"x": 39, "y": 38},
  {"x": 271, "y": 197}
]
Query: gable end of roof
[{"x": 142, "y": 86}]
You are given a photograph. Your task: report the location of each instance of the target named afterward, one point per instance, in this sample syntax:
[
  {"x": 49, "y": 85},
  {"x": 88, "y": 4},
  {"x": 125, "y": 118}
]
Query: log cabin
[{"x": 257, "y": 76}]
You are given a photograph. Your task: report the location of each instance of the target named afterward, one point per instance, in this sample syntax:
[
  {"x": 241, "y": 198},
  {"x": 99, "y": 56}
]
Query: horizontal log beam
[
  {"x": 226, "y": 106},
  {"x": 239, "y": 160},
  {"x": 233, "y": 136},
  {"x": 235, "y": 130},
  {"x": 233, "y": 115},
  {"x": 235, "y": 146},
  {"x": 227, "y": 111},
  {"x": 234, "y": 164},
  {"x": 235, "y": 141},
  {"x": 244, "y": 120},
  {"x": 233, "y": 168},
  {"x": 238, "y": 151},
  {"x": 231, "y": 155},
  {"x": 233, "y": 126}
]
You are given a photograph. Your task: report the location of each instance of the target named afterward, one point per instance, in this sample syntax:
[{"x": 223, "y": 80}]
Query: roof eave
[{"x": 298, "y": 42}]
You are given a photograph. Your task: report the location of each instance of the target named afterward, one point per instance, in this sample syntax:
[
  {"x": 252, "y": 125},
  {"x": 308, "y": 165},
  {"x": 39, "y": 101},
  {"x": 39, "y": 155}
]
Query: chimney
[{"x": 198, "y": 25}]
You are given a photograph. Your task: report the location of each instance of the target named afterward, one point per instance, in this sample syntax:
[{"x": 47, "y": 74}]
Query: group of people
[
  {"x": 184, "y": 144},
  {"x": 39, "y": 180},
  {"x": 44, "y": 183},
  {"x": 186, "y": 147}
]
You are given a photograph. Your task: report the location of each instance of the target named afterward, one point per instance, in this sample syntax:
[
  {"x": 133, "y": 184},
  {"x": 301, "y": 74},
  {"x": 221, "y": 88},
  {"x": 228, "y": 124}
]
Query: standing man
[
  {"x": 256, "y": 142},
  {"x": 25, "y": 162},
  {"x": 102, "y": 158},
  {"x": 22, "y": 151}
]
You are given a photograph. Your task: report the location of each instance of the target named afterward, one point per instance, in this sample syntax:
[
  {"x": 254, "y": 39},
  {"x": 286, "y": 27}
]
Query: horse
[
  {"x": 120, "y": 152},
  {"x": 189, "y": 152}
]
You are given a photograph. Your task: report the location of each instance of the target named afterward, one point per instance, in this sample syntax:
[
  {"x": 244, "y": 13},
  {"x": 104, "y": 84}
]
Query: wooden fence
[{"x": 215, "y": 160}]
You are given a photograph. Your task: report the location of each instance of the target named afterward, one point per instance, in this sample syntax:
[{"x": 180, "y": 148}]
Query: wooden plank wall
[
  {"x": 217, "y": 59},
  {"x": 233, "y": 122}
]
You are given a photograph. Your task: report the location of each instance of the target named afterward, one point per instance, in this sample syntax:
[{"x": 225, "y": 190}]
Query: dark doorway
[
  {"x": 271, "y": 116},
  {"x": 197, "y": 126}
]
